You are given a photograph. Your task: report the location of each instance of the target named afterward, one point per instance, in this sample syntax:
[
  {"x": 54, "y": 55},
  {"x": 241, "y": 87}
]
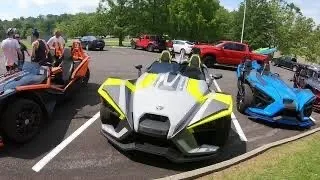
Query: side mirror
[
  {"x": 216, "y": 76},
  {"x": 139, "y": 67}
]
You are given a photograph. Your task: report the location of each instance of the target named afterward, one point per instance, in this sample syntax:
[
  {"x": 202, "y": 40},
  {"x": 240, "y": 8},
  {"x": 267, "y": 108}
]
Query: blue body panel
[
  {"x": 29, "y": 75},
  {"x": 271, "y": 85}
]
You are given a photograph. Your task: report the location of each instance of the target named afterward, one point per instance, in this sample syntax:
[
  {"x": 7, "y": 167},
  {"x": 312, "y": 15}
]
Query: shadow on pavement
[
  {"x": 233, "y": 148},
  {"x": 54, "y": 131}
]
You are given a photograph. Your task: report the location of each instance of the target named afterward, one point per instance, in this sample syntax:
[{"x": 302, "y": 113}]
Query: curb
[{"x": 225, "y": 164}]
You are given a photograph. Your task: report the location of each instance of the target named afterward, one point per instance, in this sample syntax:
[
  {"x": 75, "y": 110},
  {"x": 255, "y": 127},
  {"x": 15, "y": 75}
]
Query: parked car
[
  {"x": 183, "y": 47},
  {"x": 143, "y": 116},
  {"x": 308, "y": 77},
  {"x": 151, "y": 43},
  {"x": 92, "y": 43},
  {"x": 264, "y": 96},
  {"x": 227, "y": 53},
  {"x": 286, "y": 61}
]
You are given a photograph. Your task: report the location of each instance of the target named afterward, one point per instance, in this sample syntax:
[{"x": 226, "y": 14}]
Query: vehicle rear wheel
[
  {"x": 101, "y": 49},
  {"x": 150, "y": 48},
  {"x": 244, "y": 97},
  {"x": 209, "y": 61},
  {"x": 22, "y": 120}
]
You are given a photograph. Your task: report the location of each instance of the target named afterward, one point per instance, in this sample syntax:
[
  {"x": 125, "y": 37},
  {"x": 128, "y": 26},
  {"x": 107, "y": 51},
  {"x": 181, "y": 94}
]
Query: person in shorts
[
  {"x": 11, "y": 50},
  {"x": 23, "y": 49}
]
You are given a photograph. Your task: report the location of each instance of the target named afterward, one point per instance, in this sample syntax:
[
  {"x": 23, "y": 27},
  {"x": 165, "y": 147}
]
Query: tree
[{"x": 118, "y": 12}]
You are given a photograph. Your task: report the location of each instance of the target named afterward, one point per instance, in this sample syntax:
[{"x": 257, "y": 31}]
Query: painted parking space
[{"x": 71, "y": 146}]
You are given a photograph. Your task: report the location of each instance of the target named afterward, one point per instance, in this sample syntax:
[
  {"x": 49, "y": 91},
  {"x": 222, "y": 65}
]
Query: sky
[{"x": 16, "y": 8}]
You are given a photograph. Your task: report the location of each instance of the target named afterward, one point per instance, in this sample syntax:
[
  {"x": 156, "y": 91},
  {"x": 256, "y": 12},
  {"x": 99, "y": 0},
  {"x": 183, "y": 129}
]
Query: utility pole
[{"x": 244, "y": 19}]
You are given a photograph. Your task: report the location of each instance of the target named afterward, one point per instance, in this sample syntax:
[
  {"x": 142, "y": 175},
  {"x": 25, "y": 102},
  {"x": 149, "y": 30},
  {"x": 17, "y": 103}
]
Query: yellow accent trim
[
  {"x": 107, "y": 97},
  {"x": 227, "y": 99},
  {"x": 194, "y": 90},
  {"x": 147, "y": 81}
]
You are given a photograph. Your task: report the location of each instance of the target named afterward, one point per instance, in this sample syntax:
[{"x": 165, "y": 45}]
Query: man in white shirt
[
  {"x": 11, "y": 50},
  {"x": 57, "y": 43}
]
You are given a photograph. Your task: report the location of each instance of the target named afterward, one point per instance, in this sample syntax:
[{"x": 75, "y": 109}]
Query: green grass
[{"x": 297, "y": 160}]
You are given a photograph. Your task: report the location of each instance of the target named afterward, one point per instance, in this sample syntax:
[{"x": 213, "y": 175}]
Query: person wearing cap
[
  {"x": 23, "y": 49},
  {"x": 11, "y": 50},
  {"x": 40, "y": 49},
  {"x": 57, "y": 43}
]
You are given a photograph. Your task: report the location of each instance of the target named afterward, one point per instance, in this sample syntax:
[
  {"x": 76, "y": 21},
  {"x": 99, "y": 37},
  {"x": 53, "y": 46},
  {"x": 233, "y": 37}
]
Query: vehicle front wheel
[
  {"x": 244, "y": 98},
  {"x": 294, "y": 68},
  {"x": 183, "y": 51},
  {"x": 133, "y": 46},
  {"x": 22, "y": 120},
  {"x": 209, "y": 61},
  {"x": 150, "y": 48}
]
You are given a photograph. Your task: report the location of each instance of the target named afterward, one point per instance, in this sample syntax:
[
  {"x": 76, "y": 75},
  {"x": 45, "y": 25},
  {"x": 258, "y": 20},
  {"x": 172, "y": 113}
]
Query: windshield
[
  {"x": 189, "y": 43},
  {"x": 220, "y": 44},
  {"x": 158, "y": 67}
]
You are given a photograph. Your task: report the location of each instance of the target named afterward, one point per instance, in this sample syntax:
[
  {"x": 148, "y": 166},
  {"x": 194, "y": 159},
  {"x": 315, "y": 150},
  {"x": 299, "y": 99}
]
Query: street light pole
[{"x": 244, "y": 19}]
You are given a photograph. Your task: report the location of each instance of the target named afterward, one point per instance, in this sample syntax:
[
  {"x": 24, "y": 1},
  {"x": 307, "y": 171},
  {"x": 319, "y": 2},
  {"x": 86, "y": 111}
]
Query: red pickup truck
[
  {"x": 227, "y": 53},
  {"x": 151, "y": 42}
]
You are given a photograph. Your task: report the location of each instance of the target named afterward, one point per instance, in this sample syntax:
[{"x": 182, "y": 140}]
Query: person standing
[
  {"x": 11, "y": 50},
  {"x": 40, "y": 49},
  {"x": 23, "y": 49},
  {"x": 57, "y": 43}
]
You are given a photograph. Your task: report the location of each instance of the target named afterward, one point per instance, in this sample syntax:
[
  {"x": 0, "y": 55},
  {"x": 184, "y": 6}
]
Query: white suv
[{"x": 180, "y": 46}]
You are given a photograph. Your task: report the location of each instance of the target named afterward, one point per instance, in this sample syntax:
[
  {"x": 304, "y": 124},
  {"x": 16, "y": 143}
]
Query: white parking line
[
  {"x": 312, "y": 119},
  {"x": 45, "y": 160},
  {"x": 234, "y": 119}
]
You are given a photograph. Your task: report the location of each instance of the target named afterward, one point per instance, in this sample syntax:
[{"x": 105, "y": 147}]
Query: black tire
[
  {"x": 22, "y": 120},
  {"x": 101, "y": 49},
  {"x": 133, "y": 46},
  {"x": 245, "y": 98},
  {"x": 182, "y": 51},
  {"x": 150, "y": 48},
  {"x": 86, "y": 78},
  {"x": 88, "y": 48},
  {"x": 209, "y": 61},
  {"x": 223, "y": 127},
  {"x": 294, "y": 68}
]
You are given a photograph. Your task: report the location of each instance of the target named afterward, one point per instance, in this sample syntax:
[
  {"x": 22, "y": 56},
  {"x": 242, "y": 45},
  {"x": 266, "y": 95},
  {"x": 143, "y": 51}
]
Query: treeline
[{"x": 269, "y": 23}]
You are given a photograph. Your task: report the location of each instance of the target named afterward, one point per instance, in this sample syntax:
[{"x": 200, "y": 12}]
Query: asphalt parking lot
[{"x": 90, "y": 156}]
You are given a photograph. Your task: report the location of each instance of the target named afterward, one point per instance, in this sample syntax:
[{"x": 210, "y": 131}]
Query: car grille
[{"x": 154, "y": 125}]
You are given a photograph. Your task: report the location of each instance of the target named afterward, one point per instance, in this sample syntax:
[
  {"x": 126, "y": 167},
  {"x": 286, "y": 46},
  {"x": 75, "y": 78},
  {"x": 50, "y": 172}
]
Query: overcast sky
[{"x": 16, "y": 8}]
